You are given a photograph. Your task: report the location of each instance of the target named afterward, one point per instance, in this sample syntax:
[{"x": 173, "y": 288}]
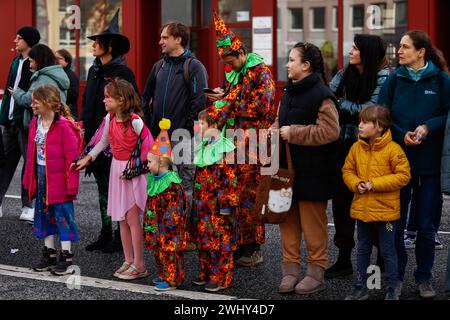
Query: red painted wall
[{"x": 15, "y": 14}]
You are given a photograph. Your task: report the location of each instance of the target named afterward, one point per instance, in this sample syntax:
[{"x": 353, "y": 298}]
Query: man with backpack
[{"x": 174, "y": 90}]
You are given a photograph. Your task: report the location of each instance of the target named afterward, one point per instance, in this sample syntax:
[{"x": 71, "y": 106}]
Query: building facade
[{"x": 268, "y": 27}]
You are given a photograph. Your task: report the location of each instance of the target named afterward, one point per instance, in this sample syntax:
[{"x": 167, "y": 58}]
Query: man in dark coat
[
  {"x": 14, "y": 136},
  {"x": 109, "y": 49},
  {"x": 174, "y": 90}
]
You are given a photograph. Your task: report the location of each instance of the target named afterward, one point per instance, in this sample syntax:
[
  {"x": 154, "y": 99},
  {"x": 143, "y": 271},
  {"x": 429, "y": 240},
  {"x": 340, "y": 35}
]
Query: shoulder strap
[
  {"x": 186, "y": 75},
  {"x": 158, "y": 67}
]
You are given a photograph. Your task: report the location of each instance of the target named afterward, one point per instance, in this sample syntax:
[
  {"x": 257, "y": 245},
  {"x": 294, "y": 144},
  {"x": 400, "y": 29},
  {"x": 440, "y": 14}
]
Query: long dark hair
[
  {"x": 312, "y": 54},
  {"x": 421, "y": 40},
  {"x": 43, "y": 55},
  {"x": 358, "y": 87}
]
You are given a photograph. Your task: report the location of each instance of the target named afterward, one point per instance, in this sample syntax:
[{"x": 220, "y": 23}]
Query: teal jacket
[
  {"x": 54, "y": 75},
  {"x": 416, "y": 102}
]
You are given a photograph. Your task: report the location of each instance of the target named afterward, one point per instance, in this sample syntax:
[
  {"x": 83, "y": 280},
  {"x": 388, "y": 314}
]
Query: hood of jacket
[
  {"x": 379, "y": 142},
  {"x": 180, "y": 59},
  {"x": 430, "y": 71},
  {"x": 117, "y": 61},
  {"x": 56, "y": 73}
]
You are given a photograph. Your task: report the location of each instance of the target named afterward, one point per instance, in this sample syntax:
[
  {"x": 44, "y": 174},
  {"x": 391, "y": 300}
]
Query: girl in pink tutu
[{"x": 130, "y": 141}]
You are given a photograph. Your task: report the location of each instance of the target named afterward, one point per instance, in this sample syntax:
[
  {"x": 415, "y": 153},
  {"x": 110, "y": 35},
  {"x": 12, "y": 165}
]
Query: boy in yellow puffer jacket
[{"x": 375, "y": 169}]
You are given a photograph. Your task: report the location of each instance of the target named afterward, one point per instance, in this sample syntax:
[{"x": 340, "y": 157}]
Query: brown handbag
[{"x": 275, "y": 193}]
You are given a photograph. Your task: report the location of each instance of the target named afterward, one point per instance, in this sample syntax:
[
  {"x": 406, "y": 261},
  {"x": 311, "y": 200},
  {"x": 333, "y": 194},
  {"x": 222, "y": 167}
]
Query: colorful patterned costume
[
  {"x": 252, "y": 102},
  {"x": 248, "y": 105},
  {"x": 165, "y": 225},
  {"x": 216, "y": 189}
]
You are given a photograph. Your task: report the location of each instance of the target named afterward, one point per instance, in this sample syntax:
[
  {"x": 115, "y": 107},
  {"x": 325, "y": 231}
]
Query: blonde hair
[
  {"x": 49, "y": 96},
  {"x": 124, "y": 92}
]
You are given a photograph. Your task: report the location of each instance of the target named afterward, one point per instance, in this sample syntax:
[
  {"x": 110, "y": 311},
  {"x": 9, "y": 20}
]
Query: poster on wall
[{"x": 262, "y": 32}]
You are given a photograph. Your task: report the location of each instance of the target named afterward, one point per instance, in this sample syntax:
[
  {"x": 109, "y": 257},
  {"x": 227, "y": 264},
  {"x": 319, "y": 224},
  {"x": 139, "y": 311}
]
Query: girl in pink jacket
[{"x": 54, "y": 142}]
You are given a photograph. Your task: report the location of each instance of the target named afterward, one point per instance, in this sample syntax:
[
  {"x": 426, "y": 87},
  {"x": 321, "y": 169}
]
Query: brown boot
[
  {"x": 313, "y": 281},
  {"x": 290, "y": 277}
]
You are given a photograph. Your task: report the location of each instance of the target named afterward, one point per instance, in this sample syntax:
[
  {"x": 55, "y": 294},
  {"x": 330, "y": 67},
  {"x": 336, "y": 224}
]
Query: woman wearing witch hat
[{"x": 109, "y": 49}]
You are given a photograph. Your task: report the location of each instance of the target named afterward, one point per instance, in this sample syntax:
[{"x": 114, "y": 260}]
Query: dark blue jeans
[
  {"x": 367, "y": 233},
  {"x": 412, "y": 223},
  {"x": 425, "y": 192},
  {"x": 447, "y": 279}
]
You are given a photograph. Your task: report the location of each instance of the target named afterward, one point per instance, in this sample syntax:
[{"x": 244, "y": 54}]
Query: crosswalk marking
[{"x": 83, "y": 281}]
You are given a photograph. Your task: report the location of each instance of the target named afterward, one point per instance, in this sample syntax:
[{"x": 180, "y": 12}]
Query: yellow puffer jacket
[{"x": 386, "y": 166}]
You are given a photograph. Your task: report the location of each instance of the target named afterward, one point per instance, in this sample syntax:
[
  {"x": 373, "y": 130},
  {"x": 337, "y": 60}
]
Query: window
[
  {"x": 233, "y": 11},
  {"x": 357, "y": 16},
  {"x": 307, "y": 21},
  {"x": 297, "y": 18},
  {"x": 318, "y": 18},
  {"x": 335, "y": 18},
  {"x": 401, "y": 13},
  {"x": 387, "y": 20},
  {"x": 57, "y": 26}
]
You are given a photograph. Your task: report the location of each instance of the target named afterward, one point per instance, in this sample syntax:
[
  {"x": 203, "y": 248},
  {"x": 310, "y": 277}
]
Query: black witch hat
[{"x": 112, "y": 32}]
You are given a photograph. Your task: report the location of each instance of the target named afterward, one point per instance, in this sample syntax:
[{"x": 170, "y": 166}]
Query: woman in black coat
[{"x": 109, "y": 49}]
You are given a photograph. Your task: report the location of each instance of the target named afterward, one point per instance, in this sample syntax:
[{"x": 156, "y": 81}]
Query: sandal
[
  {"x": 132, "y": 273},
  {"x": 123, "y": 268}
]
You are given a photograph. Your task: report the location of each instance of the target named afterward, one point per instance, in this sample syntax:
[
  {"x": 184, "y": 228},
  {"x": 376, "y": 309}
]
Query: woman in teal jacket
[
  {"x": 418, "y": 96},
  {"x": 46, "y": 71}
]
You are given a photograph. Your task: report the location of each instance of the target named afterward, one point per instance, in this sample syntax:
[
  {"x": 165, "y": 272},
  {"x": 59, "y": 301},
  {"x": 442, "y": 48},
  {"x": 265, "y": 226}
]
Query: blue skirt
[{"x": 55, "y": 219}]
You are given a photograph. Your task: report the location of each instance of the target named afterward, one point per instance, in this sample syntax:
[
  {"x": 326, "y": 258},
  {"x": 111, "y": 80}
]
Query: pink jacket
[{"x": 61, "y": 148}]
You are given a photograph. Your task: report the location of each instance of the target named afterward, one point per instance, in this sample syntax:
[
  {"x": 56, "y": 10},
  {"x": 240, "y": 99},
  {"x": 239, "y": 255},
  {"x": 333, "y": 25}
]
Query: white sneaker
[{"x": 27, "y": 214}]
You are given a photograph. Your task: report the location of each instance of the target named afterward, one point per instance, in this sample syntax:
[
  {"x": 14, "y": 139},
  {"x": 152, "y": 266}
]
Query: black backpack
[{"x": 186, "y": 75}]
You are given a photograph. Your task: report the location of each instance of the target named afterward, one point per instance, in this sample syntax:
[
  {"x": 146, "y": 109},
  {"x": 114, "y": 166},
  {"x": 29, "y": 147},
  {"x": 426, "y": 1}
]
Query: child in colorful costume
[
  {"x": 165, "y": 214},
  {"x": 214, "y": 207}
]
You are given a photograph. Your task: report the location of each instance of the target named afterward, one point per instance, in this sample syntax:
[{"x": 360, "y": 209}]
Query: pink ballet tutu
[{"x": 124, "y": 194}]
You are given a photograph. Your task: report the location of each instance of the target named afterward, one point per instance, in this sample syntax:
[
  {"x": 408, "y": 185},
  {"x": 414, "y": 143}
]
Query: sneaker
[
  {"x": 199, "y": 282},
  {"x": 213, "y": 287},
  {"x": 437, "y": 244},
  {"x": 122, "y": 269},
  {"x": 157, "y": 281},
  {"x": 64, "y": 264},
  {"x": 133, "y": 273},
  {"x": 391, "y": 294},
  {"x": 426, "y": 290},
  {"x": 48, "y": 260},
  {"x": 410, "y": 241},
  {"x": 163, "y": 286},
  {"x": 358, "y": 293},
  {"x": 250, "y": 261},
  {"x": 27, "y": 215}
]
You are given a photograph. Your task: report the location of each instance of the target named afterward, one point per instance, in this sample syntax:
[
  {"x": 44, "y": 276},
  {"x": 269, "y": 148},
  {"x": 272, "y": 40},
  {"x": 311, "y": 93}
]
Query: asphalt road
[{"x": 251, "y": 283}]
